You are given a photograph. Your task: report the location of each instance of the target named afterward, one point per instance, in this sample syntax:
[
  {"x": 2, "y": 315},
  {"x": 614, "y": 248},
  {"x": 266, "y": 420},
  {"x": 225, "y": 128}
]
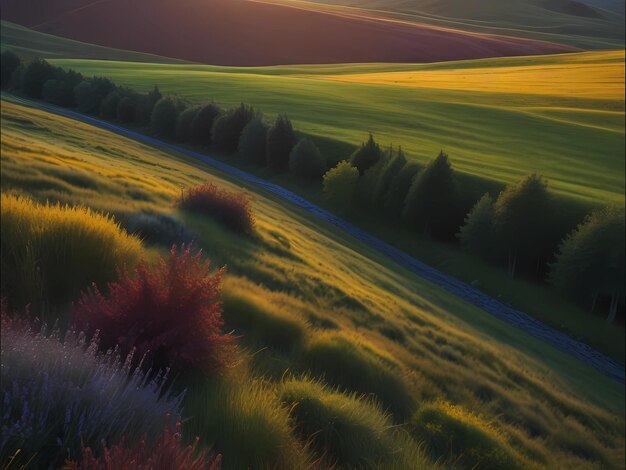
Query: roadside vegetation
[
  {"x": 307, "y": 351},
  {"x": 522, "y": 228}
]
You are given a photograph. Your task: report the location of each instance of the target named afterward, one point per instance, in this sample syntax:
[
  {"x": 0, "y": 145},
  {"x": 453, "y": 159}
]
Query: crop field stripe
[{"x": 561, "y": 341}]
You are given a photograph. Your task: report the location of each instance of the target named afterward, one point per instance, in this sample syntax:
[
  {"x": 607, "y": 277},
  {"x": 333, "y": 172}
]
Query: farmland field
[{"x": 498, "y": 119}]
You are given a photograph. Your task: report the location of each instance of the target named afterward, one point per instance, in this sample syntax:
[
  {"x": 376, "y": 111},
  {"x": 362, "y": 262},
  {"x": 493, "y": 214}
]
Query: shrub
[
  {"x": 90, "y": 93},
  {"x": 59, "y": 394},
  {"x": 9, "y": 62},
  {"x": 183, "y": 124},
  {"x": 50, "y": 252},
  {"x": 354, "y": 432},
  {"x": 161, "y": 229},
  {"x": 451, "y": 433},
  {"x": 34, "y": 76},
  {"x": 163, "y": 120},
  {"x": 231, "y": 209},
  {"x": 590, "y": 260},
  {"x": 251, "y": 314},
  {"x": 356, "y": 368},
  {"x": 126, "y": 109},
  {"x": 476, "y": 234},
  {"x": 166, "y": 454},
  {"x": 253, "y": 142},
  {"x": 340, "y": 185},
  {"x": 280, "y": 141},
  {"x": 168, "y": 312},
  {"x": 227, "y": 128},
  {"x": 108, "y": 107},
  {"x": 202, "y": 123},
  {"x": 431, "y": 201},
  {"x": 245, "y": 422},
  {"x": 306, "y": 160},
  {"x": 367, "y": 155}
]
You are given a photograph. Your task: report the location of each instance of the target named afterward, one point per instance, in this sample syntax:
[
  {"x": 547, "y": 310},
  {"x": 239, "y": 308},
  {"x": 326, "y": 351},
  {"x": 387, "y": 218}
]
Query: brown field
[{"x": 249, "y": 32}]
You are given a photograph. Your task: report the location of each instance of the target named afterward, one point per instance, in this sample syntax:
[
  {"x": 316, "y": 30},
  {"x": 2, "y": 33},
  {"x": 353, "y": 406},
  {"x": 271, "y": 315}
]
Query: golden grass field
[{"x": 347, "y": 305}]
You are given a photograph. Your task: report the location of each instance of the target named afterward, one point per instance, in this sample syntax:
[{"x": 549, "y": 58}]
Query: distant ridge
[{"x": 248, "y": 33}]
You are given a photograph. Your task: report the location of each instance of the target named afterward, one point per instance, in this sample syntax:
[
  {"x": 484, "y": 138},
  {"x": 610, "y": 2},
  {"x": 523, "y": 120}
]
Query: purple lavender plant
[{"x": 60, "y": 393}]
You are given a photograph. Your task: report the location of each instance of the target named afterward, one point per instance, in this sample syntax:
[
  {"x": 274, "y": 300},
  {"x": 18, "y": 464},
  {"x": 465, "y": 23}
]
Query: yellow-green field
[
  {"x": 498, "y": 119},
  {"x": 536, "y": 404}
]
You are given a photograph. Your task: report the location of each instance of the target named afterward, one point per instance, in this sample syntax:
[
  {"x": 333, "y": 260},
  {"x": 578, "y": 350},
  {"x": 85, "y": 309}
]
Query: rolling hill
[
  {"x": 499, "y": 119},
  {"x": 339, "y": 296},
  {"x": 590, "y": 24},
  {"x": 245, "y": 32}
]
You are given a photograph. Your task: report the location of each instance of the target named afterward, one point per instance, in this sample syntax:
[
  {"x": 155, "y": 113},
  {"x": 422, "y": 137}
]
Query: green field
[
  {"x": 576, "y": 141},
  {"x": 545, "y": 408}
]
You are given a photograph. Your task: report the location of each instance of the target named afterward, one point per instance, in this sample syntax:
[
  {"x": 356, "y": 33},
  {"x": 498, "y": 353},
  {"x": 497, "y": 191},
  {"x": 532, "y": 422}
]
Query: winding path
[{"x": 561, "y": 341}]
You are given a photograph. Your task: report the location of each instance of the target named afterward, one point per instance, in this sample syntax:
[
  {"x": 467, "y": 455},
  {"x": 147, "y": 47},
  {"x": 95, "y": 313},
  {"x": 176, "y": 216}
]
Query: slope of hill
[
  {"x": 590, "y": 24},
  {"x": 244, "y": 32},
  {"x": 339, "y": 295},
  {"x": 498, "y": 119}
]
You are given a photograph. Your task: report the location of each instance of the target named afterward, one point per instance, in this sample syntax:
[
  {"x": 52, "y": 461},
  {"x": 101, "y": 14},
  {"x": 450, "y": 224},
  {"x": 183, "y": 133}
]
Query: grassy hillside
[
  {"x": 29, "y": 43},
  {"x": 498, "y": 119},
  {"x": 583, "y": 23},
  {"x": 344, "y": 306}
]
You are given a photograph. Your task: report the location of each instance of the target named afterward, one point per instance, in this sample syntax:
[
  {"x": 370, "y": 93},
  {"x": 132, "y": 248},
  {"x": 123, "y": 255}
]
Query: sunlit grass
[{"x": 344, "y": 298}]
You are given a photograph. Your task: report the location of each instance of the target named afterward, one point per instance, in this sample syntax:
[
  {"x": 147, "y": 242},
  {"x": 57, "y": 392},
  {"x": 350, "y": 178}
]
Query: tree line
[{"x": 519, "y": 228}]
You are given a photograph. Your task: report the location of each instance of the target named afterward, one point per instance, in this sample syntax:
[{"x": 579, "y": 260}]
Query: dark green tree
[
  {"x": 367, "y": 155},
  {"x": 281, "y": 139},
  {"x": 306, "y": 160},
  {"x": 90, "y": 93},
  {"x": 203, "y": 123},
  {"x": 163, "y": 120},
  {"x": 590, "y": 261},
  {"x": 399, "y": 188},
  {"x": 432, "y": 197},
  {"x": 476, "y": 234},
  {"x": 340, "y": 185},
  {"x": 392, "y": 167},
  {"x": 126, "y": 109},
  {"x": 522, "y": 215},
  {"x": 228, "y": 127},
  {"x": 183, "y": 124},
  {"x": 108, "y": 106},
  {"x": 366, "y": 186},
  {"x": 253, "y": 142},
  {"x": 35, "y": 74},
  {"x": 9, "y": 62}
]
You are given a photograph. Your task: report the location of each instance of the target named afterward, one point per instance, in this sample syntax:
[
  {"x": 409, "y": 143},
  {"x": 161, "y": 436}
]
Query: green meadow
[
  {"x": 408, "y": 374},
  {"x": 494, "y": 135}
]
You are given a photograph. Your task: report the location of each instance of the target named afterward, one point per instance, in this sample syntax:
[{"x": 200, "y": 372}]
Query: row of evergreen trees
[
  {"x": 239, "y": 130},
  {"x": 520, "y": 229}
]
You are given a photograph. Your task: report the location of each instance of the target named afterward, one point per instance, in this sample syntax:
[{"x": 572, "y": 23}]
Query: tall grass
[
  {"x": 456, "y": 435},
  {"x": 353, "y": 367},
  {"x": 347, "y": 429},
  {"x": 50, "y": 252},
  {"x": 245, "y": 422},
  {"x": 61, "y": 394},
  {"x": 257, "y": 319}
]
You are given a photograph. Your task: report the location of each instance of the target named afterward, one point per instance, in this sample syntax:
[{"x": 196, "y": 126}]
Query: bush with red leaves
[
  {"x": 169, "y": 313},
  {"x": 231, "y": 209},
  {"x": 166, "y": 454}
]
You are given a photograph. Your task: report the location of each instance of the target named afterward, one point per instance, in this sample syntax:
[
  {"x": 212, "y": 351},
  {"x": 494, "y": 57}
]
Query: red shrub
[
  {"x": 231, "y": 209},
  {"x": 167, "y": 312},
  {"x": 166, "y": 454}
]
